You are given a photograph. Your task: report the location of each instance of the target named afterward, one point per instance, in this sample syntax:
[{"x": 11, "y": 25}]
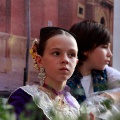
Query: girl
[
  {"x": 92, "y": 73},
  {"x": 55, "y": 56}
]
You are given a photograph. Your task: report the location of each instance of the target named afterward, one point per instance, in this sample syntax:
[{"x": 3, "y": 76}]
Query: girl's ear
[{"x": 38, "y": 59}]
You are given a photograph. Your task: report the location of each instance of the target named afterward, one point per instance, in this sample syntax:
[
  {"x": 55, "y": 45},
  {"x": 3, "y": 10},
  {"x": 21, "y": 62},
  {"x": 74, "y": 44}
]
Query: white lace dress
[{"x": 43, "y": 101}]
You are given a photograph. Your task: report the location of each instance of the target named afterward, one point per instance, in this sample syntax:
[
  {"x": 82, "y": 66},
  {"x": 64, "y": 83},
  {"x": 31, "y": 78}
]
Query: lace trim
[{"x": 43, "y": 101}]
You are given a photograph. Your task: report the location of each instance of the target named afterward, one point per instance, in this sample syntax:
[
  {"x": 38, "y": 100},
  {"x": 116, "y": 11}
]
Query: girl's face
[
  {"x": 60, "y": 57},
  {"x": 99, "y": 57}
]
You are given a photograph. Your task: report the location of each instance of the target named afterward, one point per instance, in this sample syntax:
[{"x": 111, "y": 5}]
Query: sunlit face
[
  {"x": 60, "y": 57},
  {"x": 100, "y": 57}
]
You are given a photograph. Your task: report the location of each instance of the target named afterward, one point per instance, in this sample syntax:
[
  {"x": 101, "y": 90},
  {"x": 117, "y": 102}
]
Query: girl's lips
[{"x": 64, "y": 69}]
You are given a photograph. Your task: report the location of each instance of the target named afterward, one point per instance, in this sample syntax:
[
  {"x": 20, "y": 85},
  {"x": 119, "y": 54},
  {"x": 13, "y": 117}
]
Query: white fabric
[
  {"x": 112, "y": 74},
  {"x": 87, "y": 84},
  {"x": 113, "y": 77},
  {"x": 44, "y": 102}
]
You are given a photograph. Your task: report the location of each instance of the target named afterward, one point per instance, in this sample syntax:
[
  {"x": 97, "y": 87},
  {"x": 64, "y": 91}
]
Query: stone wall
[{"x": 11, "y": 46}]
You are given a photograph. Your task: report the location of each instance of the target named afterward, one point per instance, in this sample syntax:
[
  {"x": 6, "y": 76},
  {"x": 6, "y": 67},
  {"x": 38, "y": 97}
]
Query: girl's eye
[
  {"x": 72, "y": 55},
  {"x": 56, "y": 53}
]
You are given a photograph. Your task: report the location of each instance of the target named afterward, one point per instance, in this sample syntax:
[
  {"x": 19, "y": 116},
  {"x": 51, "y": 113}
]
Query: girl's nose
[{"x": 64, "y": 59}]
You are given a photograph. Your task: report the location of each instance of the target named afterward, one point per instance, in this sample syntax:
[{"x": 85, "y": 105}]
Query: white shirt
[{"x": 113, "y": 77}]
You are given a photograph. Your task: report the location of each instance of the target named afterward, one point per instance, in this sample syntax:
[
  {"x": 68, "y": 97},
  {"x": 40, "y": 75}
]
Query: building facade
[{"x": 62, "y": 13}]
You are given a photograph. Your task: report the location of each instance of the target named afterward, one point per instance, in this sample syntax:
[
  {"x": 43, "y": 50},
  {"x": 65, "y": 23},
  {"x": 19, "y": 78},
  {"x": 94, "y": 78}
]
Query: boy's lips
[{"x": 107, "y": 61}]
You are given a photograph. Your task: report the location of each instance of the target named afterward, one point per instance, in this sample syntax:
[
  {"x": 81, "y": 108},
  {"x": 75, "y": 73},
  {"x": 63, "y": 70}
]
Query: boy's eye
[{"x": 105, "y": 46}]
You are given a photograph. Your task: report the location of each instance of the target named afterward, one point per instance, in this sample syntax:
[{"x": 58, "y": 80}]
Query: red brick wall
[
  {"x": 4, "y": 15},
  {"x": 51, "y": 12},
  {"x": 67, "y": 14},
  {"x": 37, "y": 16},
  {"x": 18, "y": 26},
  {"x": 62, "y": 13},
  {"x": 43, "y": 11},
  {"x": 75, "y": 5}
]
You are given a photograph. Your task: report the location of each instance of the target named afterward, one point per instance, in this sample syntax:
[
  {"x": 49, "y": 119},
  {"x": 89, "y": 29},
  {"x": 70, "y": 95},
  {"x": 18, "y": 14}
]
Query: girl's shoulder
[
  {"x": 19, "y": 94},
  {"x": 23, "y": 93},
  {"x": 18, "y": 99}
]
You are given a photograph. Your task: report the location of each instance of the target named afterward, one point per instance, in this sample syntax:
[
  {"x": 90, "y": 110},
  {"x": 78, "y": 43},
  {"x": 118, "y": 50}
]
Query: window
[{"x": 81, "y": 10}]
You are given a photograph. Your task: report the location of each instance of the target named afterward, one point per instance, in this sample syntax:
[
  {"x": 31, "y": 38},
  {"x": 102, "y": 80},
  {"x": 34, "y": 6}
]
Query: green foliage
[
  {"x": 32, "y": 112},
  {"x": 6, "y": 111},
  {"x": 116, "y": 116},
  {"x": 107, "y": 103}
]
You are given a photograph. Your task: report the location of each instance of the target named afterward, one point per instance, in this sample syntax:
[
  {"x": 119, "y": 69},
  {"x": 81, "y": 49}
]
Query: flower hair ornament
[{"x": 33, "y": 52}]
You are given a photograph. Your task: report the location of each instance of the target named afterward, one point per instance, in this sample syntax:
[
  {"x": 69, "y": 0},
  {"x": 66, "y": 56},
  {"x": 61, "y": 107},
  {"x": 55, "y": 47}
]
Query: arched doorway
[{"x": 102, "y": 21}]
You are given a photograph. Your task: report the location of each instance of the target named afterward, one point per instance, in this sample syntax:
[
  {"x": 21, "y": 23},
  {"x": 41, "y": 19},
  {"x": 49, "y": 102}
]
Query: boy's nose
[{"x": 110, "y": 53}]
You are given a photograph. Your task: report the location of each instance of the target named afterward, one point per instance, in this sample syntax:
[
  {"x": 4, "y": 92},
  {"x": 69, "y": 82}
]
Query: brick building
[{"x": 62, "y": 13}]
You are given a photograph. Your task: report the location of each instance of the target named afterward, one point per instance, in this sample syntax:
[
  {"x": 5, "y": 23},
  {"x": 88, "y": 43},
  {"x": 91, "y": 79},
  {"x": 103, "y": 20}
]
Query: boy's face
[
  {"x": 60, "y": 58},
  {"x": 100, "y": 57}
]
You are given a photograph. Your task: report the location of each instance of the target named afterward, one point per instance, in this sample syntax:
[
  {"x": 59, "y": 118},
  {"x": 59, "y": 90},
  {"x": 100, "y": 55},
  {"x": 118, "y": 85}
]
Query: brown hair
[
  {"x": 48, "y": 32},
  {"x": 90, "y": 35}
]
